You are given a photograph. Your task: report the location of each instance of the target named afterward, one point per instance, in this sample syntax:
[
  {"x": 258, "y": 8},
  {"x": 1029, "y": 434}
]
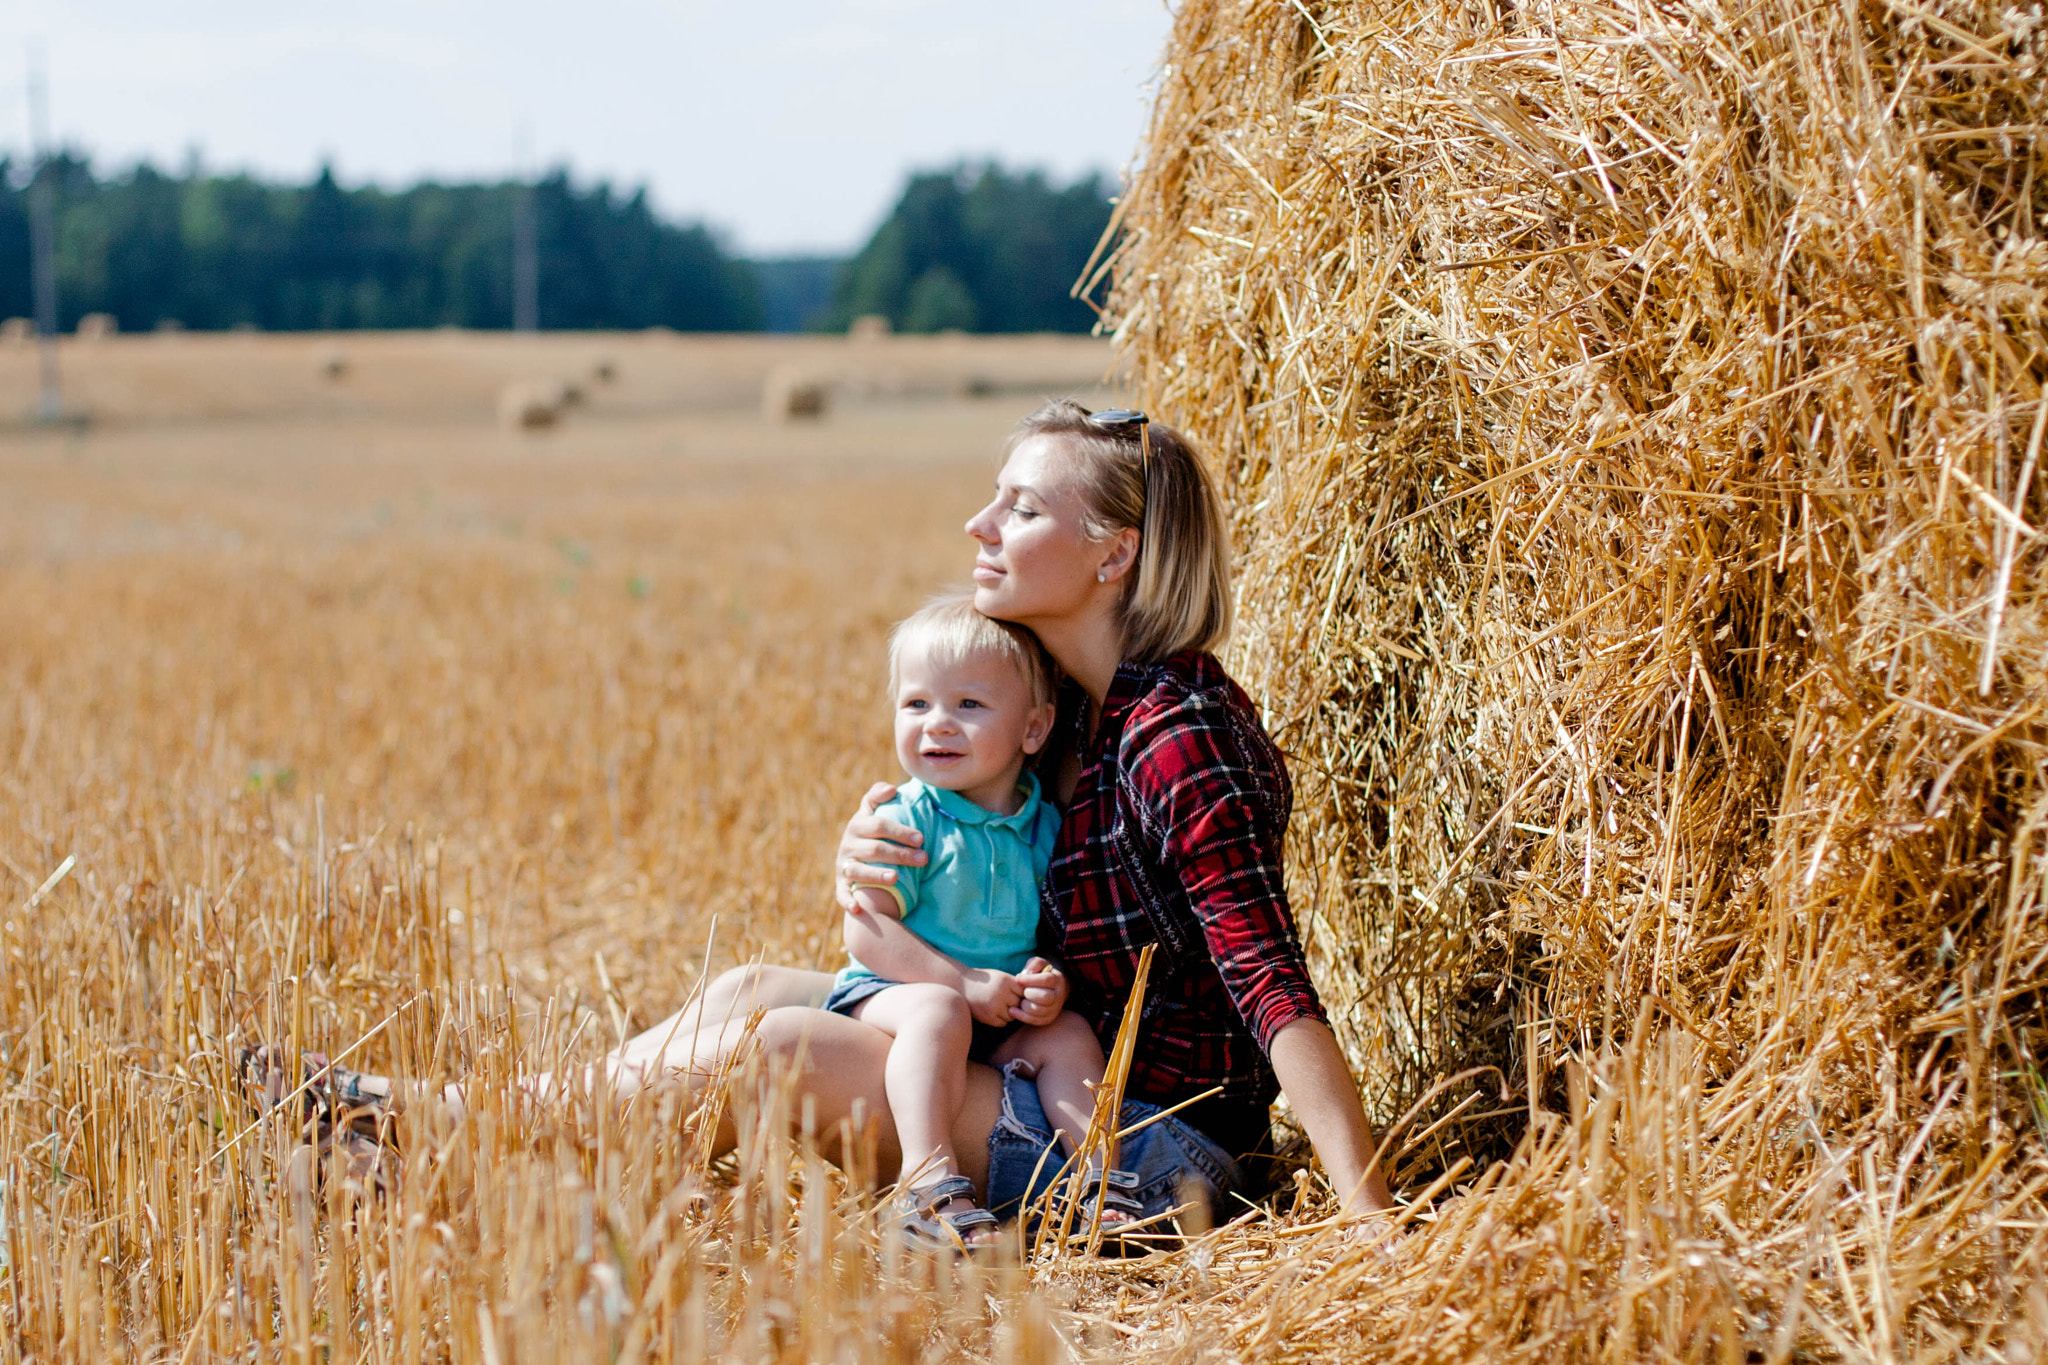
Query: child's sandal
[
  {"x": 922, "y": 1224},
  {"x": 1108, "y": 1205}
]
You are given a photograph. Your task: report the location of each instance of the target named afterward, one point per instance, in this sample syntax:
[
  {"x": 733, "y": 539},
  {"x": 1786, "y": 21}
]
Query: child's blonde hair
[{"x": 951, "y": 631}]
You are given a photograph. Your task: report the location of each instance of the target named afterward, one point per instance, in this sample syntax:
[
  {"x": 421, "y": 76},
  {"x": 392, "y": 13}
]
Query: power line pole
[
  {"x": 42, "y": 193},
  {"x": 525, "y": 249}
]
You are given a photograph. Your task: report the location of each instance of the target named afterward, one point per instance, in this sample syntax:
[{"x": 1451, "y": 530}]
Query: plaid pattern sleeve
[
  {"x": 1173, "y": 837},
  {"x": 1217, "y": 800}
]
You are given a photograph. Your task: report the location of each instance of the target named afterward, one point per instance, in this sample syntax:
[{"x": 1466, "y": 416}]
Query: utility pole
[
  {"x": 42, "y": 193},
  {"x": 525, "y": 248}
]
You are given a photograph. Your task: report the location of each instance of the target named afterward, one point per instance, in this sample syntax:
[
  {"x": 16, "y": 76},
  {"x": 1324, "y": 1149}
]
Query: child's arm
[{"x": 875, "y": 935}]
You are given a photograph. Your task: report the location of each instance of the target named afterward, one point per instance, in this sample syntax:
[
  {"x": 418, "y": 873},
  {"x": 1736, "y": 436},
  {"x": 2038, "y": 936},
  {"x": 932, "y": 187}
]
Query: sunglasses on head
[{"x": 1128, "y": 417}]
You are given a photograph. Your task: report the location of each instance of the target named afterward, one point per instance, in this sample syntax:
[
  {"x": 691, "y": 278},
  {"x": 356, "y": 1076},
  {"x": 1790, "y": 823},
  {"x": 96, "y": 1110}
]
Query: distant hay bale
[
  {"x": 94, "y": 326},
  {"x": 1632, "y": 421},
  {"x": 17, "y": 331},
  {"x": 868, "y": 327},
  {"x": 530, "y": 405},
  {"x": 790, "y": 393},
  {"x": 169, "y": 326}
]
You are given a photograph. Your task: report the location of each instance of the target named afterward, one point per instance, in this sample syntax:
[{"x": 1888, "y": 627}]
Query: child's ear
[{"x": 1038, "y": 729}]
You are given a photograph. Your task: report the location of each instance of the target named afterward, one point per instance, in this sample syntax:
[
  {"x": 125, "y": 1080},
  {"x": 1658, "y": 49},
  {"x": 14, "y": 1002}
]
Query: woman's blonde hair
[{"x": 1179, "y": 594}]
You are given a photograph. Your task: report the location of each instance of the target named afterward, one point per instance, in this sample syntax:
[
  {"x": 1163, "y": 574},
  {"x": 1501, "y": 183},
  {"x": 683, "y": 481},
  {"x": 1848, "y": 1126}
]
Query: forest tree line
[{"x": 976, "y": 248}]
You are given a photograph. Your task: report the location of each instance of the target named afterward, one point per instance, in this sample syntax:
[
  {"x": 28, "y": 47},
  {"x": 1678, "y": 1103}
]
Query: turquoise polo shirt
[{"x": 976, "y": 897}]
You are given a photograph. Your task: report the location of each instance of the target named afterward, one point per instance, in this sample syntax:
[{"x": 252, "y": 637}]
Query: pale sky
[{"x": 787, "y": 125}]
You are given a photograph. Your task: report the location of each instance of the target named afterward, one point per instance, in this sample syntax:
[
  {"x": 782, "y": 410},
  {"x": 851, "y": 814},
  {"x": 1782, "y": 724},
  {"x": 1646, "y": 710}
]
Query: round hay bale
[
  {"x": 868, "y": 327},
  {"x": 95, "y": 326},
  {"x": 529, "y": 405},
  {"x": 18, "y": 331},
  {"x": 1632, "y": 421},
  {"x": 793, "y": 394}
]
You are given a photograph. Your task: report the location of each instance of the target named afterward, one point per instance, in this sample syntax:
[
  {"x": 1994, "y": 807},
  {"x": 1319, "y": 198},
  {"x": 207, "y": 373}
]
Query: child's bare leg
[
  {"x": 1069, "y": 1061},
  {"x": 926, "y": 1074}
]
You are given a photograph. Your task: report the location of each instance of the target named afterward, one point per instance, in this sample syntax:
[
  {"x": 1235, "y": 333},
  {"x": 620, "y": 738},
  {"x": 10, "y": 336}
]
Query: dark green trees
[
  {"x": 222, "y": 251},
  {"x": 977, "y": 248},
  {"x": 980, "y": 249}
]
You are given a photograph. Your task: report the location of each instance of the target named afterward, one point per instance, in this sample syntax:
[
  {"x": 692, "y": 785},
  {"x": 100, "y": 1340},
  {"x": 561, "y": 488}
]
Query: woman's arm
[
  {"x": 1219, "y": 793},
  {"x": 1318, "y": 1085}
]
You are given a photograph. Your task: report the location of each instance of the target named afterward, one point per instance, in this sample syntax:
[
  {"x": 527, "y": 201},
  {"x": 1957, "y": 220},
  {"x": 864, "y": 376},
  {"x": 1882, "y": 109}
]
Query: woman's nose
[{"x": 982, "y": 525}]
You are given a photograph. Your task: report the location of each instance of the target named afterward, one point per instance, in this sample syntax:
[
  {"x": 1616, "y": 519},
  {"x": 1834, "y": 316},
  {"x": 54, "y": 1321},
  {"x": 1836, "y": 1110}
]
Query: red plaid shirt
[{"x": 1173, "y": 837}]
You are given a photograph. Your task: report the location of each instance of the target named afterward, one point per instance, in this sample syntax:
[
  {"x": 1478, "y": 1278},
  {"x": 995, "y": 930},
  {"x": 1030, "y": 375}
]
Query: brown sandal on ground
[
  {"x": 1107, "y": 1203},
  {"x": 335, "y": 1112},
  {"x": 324, "y": 1090}
]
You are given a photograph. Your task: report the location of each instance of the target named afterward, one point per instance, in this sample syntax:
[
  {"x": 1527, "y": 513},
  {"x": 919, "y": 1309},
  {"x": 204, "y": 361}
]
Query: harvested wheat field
[{"x": 399, "y": 725}]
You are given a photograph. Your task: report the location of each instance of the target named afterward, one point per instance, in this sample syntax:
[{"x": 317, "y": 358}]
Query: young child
[{"x": 944, "y": 961}]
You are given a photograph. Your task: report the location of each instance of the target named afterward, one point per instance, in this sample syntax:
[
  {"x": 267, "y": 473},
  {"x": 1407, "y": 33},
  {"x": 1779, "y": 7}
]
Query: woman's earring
[{"x": 1101, "y": 577}]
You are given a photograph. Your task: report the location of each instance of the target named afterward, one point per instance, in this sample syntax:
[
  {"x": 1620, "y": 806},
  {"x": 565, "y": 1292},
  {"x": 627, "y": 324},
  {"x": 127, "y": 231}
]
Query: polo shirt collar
[{"x": 967, "y": 813}]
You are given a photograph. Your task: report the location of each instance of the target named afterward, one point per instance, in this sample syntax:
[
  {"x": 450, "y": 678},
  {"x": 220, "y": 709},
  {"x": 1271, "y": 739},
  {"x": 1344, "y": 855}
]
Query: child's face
[{"x": 966, "y": 726}]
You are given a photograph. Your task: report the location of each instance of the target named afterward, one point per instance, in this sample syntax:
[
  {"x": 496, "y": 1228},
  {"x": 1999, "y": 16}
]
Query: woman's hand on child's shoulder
[
  {"x": 1044, "y": 994},
  {"x": 872, "y": 847}
]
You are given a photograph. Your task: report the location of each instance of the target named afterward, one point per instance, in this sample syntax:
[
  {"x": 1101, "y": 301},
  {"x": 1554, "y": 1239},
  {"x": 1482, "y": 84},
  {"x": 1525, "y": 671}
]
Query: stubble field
[{"x": 343, "y": 707}]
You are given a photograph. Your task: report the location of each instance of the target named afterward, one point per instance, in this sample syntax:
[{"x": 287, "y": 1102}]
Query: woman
[{"x": 1106, "y": 539}]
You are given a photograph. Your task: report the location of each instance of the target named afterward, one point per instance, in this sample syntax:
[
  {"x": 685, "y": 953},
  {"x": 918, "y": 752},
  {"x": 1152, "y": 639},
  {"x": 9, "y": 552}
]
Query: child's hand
[
  {"x": 992, "y": 996},
  {"x": 1045, "y": 993}
]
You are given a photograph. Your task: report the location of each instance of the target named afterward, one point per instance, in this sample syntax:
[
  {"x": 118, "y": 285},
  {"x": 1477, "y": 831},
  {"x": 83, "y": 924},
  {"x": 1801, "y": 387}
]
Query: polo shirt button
[{"x": 1002, "y": 869}]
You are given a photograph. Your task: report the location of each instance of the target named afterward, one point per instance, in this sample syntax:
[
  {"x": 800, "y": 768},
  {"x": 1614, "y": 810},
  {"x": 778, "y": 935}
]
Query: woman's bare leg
[
  {"x": 843, "y": 1064},
  {"x": 698, "y": 1036},
  {"x": 731, "y": 999}
]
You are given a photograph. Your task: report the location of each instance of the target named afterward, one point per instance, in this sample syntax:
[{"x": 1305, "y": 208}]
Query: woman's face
[{"x": 1036, "y": 562}]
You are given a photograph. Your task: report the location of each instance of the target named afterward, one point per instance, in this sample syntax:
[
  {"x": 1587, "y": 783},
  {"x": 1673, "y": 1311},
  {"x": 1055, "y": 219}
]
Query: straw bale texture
[{"x": 1632, "y": 420}]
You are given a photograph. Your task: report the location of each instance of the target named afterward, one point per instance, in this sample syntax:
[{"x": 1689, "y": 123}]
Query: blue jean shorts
[{"x": 1169, "y": 1162}]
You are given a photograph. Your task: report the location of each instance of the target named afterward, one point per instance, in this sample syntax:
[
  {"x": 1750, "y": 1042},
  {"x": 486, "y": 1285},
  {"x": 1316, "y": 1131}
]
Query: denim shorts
[{"x": 1169, "y": 1163}]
